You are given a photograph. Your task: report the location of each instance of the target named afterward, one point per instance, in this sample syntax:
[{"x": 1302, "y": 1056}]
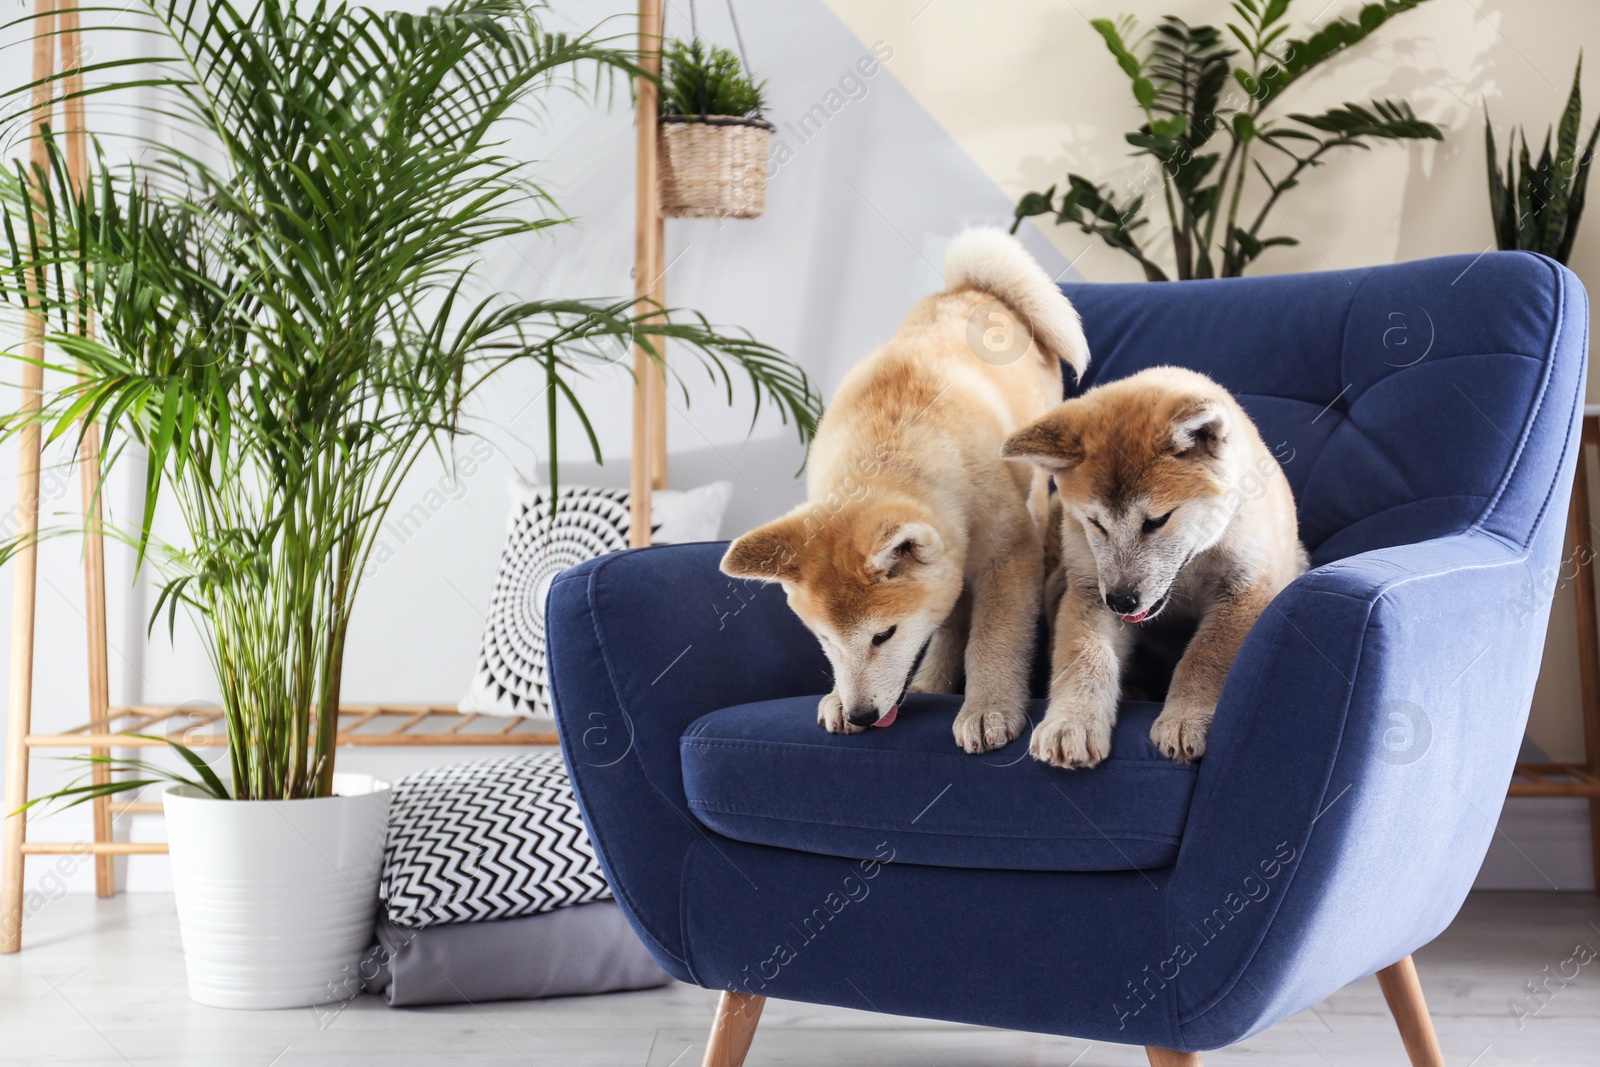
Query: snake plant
[{"x": 1537, "y": 206}]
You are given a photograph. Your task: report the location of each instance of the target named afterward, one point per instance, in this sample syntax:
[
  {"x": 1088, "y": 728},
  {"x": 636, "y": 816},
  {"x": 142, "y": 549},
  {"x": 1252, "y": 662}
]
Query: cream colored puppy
[{"x": 916, "y": 532}]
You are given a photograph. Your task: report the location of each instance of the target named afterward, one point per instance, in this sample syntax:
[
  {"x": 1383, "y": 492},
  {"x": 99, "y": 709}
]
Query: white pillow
[
  {"x": 680, "y": 517},
  {"x": 511, "y": 678}
]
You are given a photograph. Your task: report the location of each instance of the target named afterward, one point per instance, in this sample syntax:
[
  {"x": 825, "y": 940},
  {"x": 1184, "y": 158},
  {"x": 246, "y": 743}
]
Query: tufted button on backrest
[{"x": 1405, "y": 402}]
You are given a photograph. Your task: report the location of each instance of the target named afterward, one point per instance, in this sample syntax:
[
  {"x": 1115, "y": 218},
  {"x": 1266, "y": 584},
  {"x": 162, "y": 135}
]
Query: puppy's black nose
[
  {"x": 1122, "y": 602},
  {"x": 863, "y": 716}
]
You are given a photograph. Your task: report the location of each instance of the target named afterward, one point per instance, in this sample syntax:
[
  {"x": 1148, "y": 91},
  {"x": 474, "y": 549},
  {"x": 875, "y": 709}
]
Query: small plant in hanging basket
[{"x": 713, "y": 140}]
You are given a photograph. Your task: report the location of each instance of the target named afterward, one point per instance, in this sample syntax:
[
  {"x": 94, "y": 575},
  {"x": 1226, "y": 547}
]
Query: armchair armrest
[
  {"x": 644, "y": 642},
  {"x": 641, "y": 644},
  {"x": 1357, "y": 767}
]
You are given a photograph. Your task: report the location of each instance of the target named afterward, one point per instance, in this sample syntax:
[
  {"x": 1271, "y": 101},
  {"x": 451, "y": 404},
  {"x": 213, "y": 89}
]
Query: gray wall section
[
  {"x": 865, "y": 193},
  {"x": 860, "y": 206},
  {"x": 866, "y": 189}
]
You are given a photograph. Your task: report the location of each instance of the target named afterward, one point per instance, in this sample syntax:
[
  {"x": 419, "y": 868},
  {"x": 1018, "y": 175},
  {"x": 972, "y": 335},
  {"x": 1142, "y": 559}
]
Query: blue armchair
[{"x": 1427, "y": 417}]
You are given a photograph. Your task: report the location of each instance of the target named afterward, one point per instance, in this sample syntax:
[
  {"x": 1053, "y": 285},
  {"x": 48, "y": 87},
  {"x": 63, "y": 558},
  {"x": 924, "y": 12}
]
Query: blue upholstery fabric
[
  {"x": 1388, "y": 395},
  {"x": 841, "y": 794},
  {"x": 1361, "y": 749}
]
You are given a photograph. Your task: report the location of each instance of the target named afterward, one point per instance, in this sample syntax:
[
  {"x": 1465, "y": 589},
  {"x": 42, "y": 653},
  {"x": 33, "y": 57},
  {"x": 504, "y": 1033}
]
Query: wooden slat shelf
[
  {"x": 94, "y": 848},
  {"x": 55, "y": 43},
  {"x": 136, "y": 807},
  {"x": 1554, "y": 780},
  {"x": 369, "y": 725},
  {"x": 361, "y": 725}
]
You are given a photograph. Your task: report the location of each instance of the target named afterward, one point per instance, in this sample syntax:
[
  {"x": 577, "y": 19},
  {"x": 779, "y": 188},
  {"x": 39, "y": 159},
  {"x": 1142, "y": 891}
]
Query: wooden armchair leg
[
  {"x": 733, "y": 1029},
  {"x": 738, "y": 1013},
  {"x": 1403, "y": 991}
]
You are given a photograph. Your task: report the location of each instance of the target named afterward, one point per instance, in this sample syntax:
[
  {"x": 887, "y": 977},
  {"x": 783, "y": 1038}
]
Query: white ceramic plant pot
[{"x": 277, "y": 899}]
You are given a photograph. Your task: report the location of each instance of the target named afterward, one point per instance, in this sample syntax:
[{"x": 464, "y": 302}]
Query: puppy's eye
[
  {"x": 1156, "y": 523},
  {"x": 1096, "y": 524},
  {"x": 878, "y": 639}
]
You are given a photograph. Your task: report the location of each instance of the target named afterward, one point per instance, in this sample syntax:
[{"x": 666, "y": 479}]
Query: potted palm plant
[
  {"x": 282, "y": 335},
  {"x": 713, "y": 139}
]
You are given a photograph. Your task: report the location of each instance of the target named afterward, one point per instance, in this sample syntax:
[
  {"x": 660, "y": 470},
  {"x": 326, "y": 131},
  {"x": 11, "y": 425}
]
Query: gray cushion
[{"x": 588, "y": 948}]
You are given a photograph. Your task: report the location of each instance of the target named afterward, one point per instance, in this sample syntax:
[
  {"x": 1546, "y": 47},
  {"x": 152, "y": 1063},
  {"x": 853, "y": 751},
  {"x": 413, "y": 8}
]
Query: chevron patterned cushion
[{"x": 490, "y": 839}]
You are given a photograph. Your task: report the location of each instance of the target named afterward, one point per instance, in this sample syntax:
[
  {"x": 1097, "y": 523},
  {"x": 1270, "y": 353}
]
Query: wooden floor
[{"x": 101, "y": 982}]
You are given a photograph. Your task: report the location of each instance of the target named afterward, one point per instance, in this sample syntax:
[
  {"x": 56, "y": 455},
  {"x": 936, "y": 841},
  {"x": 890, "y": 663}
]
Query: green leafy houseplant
[
  {"x": 712, "y": 141},
  {"x": 702, "y": 80},
  {"x": 1180, "y": 76},
  {"x": 284, "y": 333},
  {"x": 1537, "y": 206}
]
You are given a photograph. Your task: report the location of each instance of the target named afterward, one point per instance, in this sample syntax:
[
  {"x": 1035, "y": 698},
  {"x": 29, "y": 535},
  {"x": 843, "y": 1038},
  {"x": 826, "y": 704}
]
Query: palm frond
[
  {"x": 284, "y": 330},
  {"x": 72, "y": 795}
]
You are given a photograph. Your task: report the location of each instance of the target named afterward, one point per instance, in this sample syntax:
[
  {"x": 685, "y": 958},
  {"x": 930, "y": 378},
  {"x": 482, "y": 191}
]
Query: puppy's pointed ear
[
  {"x": 1199, "y": 428},
  {"x": 900, "y": 546},
  {"x": 769, "y": 553},
  {"x": 1053, "y": 442}
]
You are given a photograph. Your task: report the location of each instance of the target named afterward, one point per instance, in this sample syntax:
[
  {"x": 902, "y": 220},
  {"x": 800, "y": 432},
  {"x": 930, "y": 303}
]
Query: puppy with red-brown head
[{"x": 1171, "y": 505}]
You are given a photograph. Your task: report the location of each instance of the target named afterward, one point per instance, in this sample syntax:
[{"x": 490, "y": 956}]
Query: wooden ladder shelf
[
  {"x": 56, "y": 36},
  {"x": 1578, "y": 779}
]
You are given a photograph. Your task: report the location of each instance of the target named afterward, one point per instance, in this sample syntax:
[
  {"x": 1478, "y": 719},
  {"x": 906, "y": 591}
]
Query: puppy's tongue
[
  {"x": 1136, "y": 618},
  {"x": 888, "y": 720}
]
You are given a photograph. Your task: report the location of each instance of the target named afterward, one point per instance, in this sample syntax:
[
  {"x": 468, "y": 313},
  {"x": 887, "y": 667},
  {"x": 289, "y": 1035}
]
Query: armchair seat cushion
[{"x": 767, "y": 774}]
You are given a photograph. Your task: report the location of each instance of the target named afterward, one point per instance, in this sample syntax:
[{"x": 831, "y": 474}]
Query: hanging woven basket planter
[{"x": 713, "y": 167}]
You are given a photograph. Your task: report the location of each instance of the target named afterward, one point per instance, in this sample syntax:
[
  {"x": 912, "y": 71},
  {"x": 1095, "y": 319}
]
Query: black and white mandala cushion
[
  {"x": 490, "y": 839},
  {"x": 511, "y": 678}
]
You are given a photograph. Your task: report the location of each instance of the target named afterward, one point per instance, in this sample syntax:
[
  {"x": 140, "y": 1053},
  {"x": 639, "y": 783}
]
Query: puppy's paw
[
  {"x": 981, "y": 727},
  {"x": 831, "y": 716},
  {"x": 1071, "y": 740},
  {"x": 1180, "y": 732}
]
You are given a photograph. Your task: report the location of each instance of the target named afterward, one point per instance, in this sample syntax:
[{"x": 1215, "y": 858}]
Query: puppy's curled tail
[{"x": 991, "y": 260}]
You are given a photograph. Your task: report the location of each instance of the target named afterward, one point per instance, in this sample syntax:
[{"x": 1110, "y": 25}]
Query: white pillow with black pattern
[
  {"x": 489, "y": 839},
  {"x": 511, "y": 678}
]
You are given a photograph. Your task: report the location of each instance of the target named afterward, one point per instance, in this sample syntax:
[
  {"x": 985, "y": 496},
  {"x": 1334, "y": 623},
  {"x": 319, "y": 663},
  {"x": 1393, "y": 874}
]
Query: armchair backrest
[{"x": 1402, "y": 401}]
